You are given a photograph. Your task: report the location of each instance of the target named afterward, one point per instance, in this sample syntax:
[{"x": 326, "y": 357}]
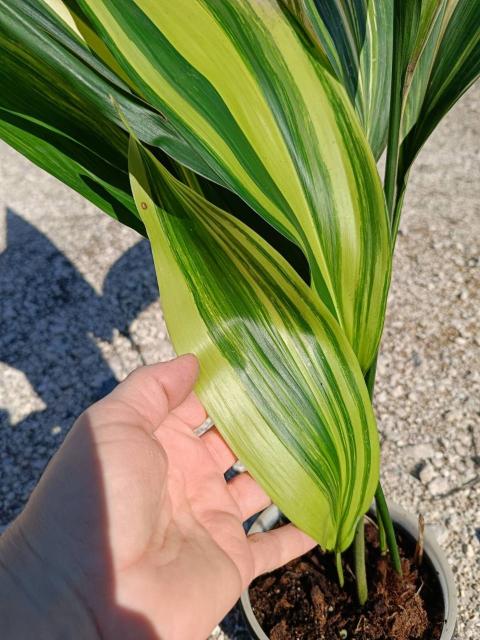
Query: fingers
[
  {"x": 248, "y": 495},
  {"x": 218, "y": 449},
  {"x": 154, "y": 390},
  {"x": 275, "y": 548}
]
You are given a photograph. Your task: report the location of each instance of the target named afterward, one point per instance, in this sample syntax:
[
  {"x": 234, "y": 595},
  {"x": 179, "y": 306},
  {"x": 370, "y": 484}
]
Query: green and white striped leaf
[
  {"x": 356, "y": 37},
  {"x": 45, "y": 115},
  {"x": 437, "y": 44},
  {"x": 454, "y": 68},
  {"x": 425, "y": 23},
  {"x": 239, "y": 84},
  {"x": 277, "y": 374},
  {"x": 56, "y": 108}
]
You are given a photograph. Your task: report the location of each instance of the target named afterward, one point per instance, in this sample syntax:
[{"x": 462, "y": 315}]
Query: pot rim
[{"x": 432, "y": 549}]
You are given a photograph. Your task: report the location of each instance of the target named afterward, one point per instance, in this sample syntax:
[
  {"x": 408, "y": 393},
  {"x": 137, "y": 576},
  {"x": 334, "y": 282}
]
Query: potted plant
[
  {"x": 395, "y": 608},
  {"x": 242, "y": 138}
]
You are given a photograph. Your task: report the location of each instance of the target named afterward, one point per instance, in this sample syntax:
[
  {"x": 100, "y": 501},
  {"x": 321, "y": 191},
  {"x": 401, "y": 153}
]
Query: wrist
[{"x": 35, "y": 600}]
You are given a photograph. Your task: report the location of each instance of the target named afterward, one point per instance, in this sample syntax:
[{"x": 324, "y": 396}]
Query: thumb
[{"x": 153, "y": 391}]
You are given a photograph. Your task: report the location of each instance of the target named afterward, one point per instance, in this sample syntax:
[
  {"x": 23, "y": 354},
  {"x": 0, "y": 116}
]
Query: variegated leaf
[
  {"x": 239, "y": 84},
  {"x": 356, "y": 37},
  {"x": 277, "y": 374},
  {"x": 56, "y": 108},
  {"x": 454, "y": 68},
  {"x": 437, "y": 45},
  {"x": 426, "y": 28}
]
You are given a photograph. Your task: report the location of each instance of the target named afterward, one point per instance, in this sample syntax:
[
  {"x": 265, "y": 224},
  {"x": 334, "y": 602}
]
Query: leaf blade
[
  {"x": 455, "y": 67},
  {"x": 357, "y": 40},
  {"x": 56, "y": 108},
  {"x": 278, "y": 376}
]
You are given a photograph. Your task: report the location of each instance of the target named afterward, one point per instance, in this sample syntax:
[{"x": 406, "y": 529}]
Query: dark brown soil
[{"x": 303, "y": 600}]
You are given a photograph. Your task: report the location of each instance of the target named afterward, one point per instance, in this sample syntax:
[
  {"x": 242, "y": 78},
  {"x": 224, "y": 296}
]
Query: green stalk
[
  {"x": 339, "y": 565},
  {"x": 360, "y": 568},
  {"x": 382, "y": 536},
  {"x": 396, "y": 95},
  {"x": 384, "y": 515},
  {"x": 359, "y": 541},
  {"x": 394, "y": 200},
  {"x": 398, "y": 211},
  {"x": 393, "y": 152},
  {"x": 391, "y": 166}
]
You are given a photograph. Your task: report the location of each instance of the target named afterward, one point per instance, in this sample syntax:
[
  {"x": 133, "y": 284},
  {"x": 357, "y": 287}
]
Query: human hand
[{"x": 132, "y": 532}]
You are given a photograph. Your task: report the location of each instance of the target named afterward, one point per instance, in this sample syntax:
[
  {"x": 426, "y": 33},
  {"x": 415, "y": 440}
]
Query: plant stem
[
  {"x": 393, "y": 140},
  {"x": 370, "y": 376},
  {"x": 359, "y": 540},
  {"x": 382, "y": 536},
  {"x": 394, "y": 202},
  {"x": 398, "y": 210},
  {"x": 391, "y": 166},
  {"x": 384, "y": 515},
  {"x": 339, "y": 565},
  {"x": 360, "y": 567}
]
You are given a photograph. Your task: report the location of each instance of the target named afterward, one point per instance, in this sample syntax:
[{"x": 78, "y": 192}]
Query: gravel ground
[{"x": 79, "y": 309}]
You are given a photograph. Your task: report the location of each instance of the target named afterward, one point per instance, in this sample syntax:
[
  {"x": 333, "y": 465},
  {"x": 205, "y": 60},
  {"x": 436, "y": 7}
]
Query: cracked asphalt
[{"x": 79, "y": 309}]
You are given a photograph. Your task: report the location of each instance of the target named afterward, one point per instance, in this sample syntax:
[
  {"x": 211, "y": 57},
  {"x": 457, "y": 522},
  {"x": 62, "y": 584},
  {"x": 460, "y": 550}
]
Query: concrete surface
[{"x": 79, "y": 309}]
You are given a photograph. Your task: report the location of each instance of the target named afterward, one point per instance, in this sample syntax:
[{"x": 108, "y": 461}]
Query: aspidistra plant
[{"x": 241, "y": 137}]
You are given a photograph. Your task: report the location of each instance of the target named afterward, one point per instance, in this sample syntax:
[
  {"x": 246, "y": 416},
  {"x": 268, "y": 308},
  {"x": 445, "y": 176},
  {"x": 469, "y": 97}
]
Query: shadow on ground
[{"x": 49, "y": 319}]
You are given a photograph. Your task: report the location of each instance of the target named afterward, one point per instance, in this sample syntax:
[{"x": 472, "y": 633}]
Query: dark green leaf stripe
[
  {"x": 357, "y": 39},
  {"x": 275, "y": 127},
  {"x": 278, "y": 375}
]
